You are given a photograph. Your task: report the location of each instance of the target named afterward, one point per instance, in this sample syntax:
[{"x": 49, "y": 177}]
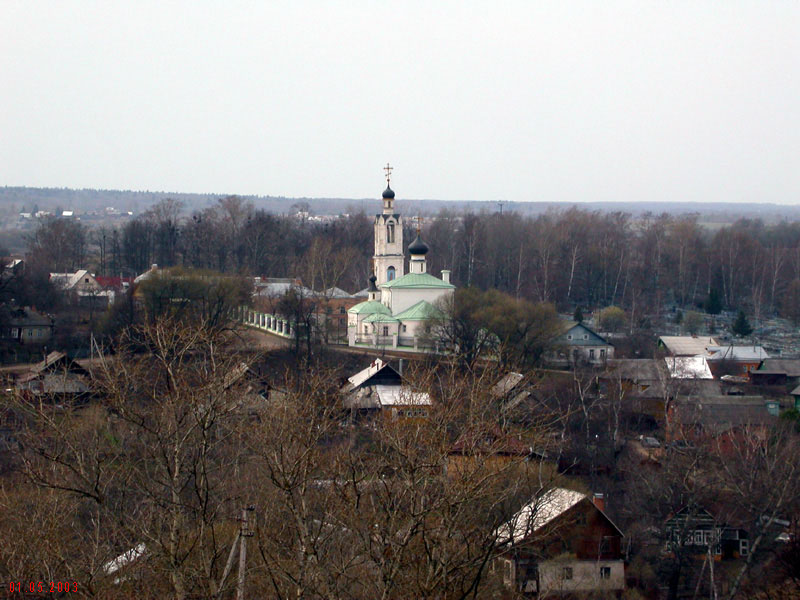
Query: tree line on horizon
[{"x": 571, "y": 258}]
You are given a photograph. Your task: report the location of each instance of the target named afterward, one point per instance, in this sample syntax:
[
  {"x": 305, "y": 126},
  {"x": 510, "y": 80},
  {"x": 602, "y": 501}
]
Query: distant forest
[
  {"x": 18, "y": 199},
  {"x": 574, "y": 257}
]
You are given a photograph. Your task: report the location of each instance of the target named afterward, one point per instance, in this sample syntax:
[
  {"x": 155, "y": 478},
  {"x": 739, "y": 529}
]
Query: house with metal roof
[
  {"x": 578, "y": 344},
  {"x": 380, "y": 388},
  {"x": 562, "y": 542},
  {"x": 686, "y": 345}
]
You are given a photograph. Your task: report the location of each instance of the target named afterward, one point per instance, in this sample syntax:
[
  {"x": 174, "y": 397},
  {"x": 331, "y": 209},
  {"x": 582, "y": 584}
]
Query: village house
[
  {"x": 686, "y": 345},
  {"x": 57, "y": 378},
  {"x": 562, "y": 542},
  {"x": 82, "y": 288},
  {"x": 27, "y": 326},
  {"x": 379, "y": 389},
  {"x": 735, "y": 360},
  {"x": 578, "y": 345},
  {"x": 724, "y": 421}
]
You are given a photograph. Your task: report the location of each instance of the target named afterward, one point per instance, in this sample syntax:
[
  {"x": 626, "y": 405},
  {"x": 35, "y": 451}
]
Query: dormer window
[{"x": 569, "y": 336}]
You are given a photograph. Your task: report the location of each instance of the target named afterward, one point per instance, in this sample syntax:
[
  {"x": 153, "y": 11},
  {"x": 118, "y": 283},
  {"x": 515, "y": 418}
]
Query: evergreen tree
[
  {"x": 741, "y": 326},
  {"x": 713, "y": 302}
]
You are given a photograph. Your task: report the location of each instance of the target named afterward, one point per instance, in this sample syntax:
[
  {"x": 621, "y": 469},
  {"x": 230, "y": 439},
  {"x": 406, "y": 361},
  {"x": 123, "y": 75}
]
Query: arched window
[
  {"x": 390, "y": 233},
  {"x": 390, "y": 274}
]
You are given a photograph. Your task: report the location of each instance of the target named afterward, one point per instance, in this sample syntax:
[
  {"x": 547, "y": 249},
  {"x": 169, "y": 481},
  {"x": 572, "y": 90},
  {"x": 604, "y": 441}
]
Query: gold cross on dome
[{"x": 388, "y": 170}]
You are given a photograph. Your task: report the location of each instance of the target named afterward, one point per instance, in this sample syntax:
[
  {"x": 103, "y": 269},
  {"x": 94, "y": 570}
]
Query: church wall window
[
  {"x": 390, "y": 233},
  {"x": 390, "y": 272}
]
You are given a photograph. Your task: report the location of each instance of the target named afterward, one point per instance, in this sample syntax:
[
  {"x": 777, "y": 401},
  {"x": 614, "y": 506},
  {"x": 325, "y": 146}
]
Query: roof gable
[
  {"x": 542, "y": 511},
  {"x": 368, "y": 308},
  {"x": 370, "y": 375},
  {"x": 421, "y": 311},
  {"x": 417, "y": 280},
  {"x": 578, "y": 334}
]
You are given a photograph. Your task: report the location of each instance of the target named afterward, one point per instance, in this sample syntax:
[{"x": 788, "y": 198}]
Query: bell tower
[{"x": 388, "y": 259}]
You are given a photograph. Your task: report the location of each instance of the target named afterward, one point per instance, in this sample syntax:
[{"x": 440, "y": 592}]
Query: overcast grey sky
[{"x": 529, "y": 101}]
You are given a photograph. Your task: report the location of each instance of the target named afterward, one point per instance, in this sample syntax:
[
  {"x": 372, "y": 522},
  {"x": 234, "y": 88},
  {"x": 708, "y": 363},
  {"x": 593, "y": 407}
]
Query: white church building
[{"x": 400, "y": 305}]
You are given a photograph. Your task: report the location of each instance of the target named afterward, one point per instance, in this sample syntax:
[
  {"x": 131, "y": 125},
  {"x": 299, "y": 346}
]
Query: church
[{"x": 399, "y": 306}]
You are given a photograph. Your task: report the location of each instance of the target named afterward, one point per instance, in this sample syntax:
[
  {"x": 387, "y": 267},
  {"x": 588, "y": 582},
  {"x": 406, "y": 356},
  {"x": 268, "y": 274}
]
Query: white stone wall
[{"x": 403, "y": 298}]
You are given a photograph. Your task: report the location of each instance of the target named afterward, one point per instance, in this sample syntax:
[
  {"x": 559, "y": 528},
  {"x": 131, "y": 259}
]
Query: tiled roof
[{"x": 417, "y": 280}]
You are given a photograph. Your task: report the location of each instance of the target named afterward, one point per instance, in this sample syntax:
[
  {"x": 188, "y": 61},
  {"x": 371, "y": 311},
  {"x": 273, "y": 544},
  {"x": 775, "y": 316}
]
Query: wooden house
[{"x": 561, "y": 543}]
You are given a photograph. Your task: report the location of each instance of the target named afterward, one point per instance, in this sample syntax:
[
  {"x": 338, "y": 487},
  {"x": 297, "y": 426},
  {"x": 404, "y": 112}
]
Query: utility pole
[
  {"x": 244, "y": 533},
  {"x": 240, "y": 543}
]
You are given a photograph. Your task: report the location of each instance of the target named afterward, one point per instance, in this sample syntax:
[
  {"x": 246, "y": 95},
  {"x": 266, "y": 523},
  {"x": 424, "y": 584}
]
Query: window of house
[
  {"x": 86, "y": 280},
  {"x": 390, "y": 233},
  {"x": 569, "y": 336},
  {"x": 586, "y": 336},
  {"x": 591, "y": 354},
  {"x": 508, "y": 572},
  {"x": 30, "y": 332},
  {"x": 744, "y": 547},
  {"x": 366, "y": 328},
  {"x": 390, "y": 273},
  {"x": 567, "y": 573},
  {"x": 698, "y": 537},
  {"x": 605, "y": 572},
  {"x": 404, "y": 328},
  {"x": 602, "y": 353},
  {"x": 342, "y": 310},
  {"x": 385, "y": 330}
]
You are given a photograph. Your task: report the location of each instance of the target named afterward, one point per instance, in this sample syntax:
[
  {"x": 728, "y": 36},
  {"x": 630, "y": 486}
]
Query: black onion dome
[
  {"x": 388, "y": 193},
  {"x": 372, "y": 286},
  {"x": 418, "y": 246}
]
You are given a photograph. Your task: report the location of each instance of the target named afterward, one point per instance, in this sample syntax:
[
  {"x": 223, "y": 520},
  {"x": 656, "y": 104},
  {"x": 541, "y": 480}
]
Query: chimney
[
  {"x": 599, "y": 501},
  {"x": 445, "y": 275}
]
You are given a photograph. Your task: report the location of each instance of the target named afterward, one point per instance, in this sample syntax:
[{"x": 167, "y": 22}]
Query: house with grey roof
[
  {"x": 28, "y": 326},
  {"x": 579, "y": 345}
]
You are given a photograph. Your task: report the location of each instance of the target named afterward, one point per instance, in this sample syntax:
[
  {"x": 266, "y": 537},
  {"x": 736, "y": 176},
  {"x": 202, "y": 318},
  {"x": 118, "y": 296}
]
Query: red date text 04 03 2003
[{"x": 43, "y": 587}]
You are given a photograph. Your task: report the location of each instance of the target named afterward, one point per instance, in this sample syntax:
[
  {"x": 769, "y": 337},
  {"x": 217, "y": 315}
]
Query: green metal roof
[
  {"x": 417, "y": 280},
  {"x": 368, "y": 308},
  {"x": 380, "y": 318},
  {"x": 421, "y": 311}
]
